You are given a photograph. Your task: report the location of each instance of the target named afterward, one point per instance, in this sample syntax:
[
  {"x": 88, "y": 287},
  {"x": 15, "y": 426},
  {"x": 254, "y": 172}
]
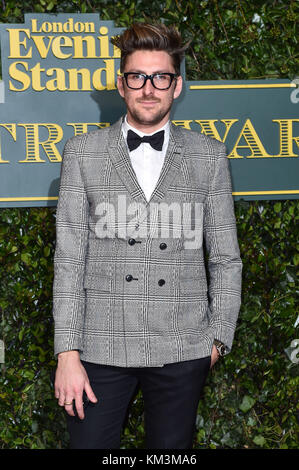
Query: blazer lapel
[
  {"x": 171, "y": 165},
  {"x": 121, "y": 159}
]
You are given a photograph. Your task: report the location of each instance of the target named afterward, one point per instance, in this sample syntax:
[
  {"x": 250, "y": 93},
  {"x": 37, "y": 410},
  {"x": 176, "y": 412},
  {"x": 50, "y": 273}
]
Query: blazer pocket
[{"x": 97, "y": 282}]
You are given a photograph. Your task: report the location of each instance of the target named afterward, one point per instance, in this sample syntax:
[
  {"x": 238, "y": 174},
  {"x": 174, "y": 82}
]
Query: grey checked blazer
[{"x": 127, "y": 292}]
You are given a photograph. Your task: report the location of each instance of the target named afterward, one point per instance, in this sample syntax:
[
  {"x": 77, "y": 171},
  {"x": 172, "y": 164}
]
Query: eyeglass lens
[{"x": 160, "y": 81}]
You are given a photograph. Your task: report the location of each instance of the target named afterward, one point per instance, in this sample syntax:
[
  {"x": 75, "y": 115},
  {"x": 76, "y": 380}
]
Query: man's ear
[
  {"x": 178, "y": 87},
  {"x": 120, "y": 86}
]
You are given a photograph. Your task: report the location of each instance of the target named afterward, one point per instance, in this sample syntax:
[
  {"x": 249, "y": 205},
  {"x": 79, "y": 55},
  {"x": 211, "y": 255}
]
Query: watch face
[{"x": 221, "y": 349}]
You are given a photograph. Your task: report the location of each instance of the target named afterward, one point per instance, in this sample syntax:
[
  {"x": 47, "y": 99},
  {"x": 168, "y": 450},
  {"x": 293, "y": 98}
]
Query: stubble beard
[{"x": 152, "y": 120}]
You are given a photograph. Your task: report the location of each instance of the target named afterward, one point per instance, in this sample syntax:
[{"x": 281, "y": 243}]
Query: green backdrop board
[{"x": 59, "y": 80}]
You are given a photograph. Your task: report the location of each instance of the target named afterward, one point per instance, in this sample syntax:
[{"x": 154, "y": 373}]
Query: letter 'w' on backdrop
[{"x": 59, "y": 79}]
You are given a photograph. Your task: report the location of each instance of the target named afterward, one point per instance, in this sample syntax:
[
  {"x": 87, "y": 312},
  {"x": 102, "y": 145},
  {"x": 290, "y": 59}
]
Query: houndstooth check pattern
[{"x": 143, "y": 322}]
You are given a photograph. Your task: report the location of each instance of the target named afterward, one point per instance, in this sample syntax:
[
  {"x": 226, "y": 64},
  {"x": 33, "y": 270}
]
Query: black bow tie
[{"x": 156, "y": 140}]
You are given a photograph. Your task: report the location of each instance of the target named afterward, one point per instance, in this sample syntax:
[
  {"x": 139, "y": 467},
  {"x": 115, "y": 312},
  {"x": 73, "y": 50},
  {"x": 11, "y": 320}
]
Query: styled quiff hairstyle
[{"x": 144, "y": 36}]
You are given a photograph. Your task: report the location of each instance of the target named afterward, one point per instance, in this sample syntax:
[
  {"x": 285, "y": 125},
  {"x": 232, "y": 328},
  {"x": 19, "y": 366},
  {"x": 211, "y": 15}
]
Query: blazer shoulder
[
  {"x": 95, "y": 139},
  {"x": 194, "y": 140}
]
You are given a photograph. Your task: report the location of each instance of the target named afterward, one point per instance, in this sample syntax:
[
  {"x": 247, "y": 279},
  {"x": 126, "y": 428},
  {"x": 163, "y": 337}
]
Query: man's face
[{"x": 148, "y": 109}]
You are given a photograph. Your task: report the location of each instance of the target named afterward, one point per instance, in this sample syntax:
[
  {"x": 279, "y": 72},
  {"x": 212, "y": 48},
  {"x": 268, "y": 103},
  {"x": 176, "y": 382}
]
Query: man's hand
[
  {"x": 70, "y": 382},
  {"x": 214, "y": 356}
]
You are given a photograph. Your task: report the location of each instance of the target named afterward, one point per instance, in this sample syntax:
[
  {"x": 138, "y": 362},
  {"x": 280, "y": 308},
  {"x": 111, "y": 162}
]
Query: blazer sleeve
[
  {"x": 224, "y": 262},
  {"x": 70, "y": 251}
]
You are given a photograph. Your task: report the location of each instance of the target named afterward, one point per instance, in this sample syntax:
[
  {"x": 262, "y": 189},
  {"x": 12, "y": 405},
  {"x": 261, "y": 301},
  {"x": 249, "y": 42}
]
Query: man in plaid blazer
[{"x": 136, "y": 301}]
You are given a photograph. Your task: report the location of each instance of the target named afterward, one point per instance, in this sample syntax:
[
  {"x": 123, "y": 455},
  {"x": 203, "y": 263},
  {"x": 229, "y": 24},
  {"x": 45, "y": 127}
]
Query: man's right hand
[{"x": 71, "y": 381}]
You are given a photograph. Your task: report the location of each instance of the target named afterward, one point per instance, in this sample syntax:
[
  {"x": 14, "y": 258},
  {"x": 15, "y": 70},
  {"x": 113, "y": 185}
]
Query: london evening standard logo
[
  {"x": 175, "y": 220},
  {"x": 33, "y": 50}
]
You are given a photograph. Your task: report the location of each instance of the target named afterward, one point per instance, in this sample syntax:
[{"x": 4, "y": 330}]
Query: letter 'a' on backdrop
[{"x": 59, "y": 80}]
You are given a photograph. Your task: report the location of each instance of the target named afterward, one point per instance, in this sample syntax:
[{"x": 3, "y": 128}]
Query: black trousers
[{"x": 171, "y": 394}]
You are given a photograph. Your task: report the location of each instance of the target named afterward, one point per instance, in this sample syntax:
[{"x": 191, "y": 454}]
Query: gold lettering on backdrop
[
  {"x": 60, "y": 42},
  {"x": 12, "y": 129},
  {"x": 45, "y": 44},
  {"x": 208, "y": 127},
  {"x": 286, "y": 137},
  {"x": 58, "y": 83},
  {"x": 43, "y": 49},
  {"x": 82, "y": 127},
  {"x": 15, "y": 43},
  {"x": 84, "y": 75},
  {"x": 33, "y": 142},
  {"x": 48, "y": 38},
  {"x": 36, "y": 77},
  {"x": 104, "y": 42},
  {"x": 253, "y": 143},
  {"x": 183, "y": 123},
  {"x": 79, "y": 42},
  {"x": 65, "y": 79},
  {"x": 249, "y": 134},
  {"x": 67, "y": 27},
  {"x": 110, "y": 76},
  {"x": 19, "y": 76}
]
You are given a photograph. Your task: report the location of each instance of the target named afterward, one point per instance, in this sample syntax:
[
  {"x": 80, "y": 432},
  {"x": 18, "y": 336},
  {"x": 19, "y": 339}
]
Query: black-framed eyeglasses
[{"x": 161, "y": 81}]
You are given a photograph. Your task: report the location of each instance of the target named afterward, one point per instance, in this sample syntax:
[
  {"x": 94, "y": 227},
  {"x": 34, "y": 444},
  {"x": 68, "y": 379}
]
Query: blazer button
[
  {"x": 161, "y": 282},
  {"x": 131, "y": 241},
  {"x": 163, "y": 246},
  {"x": 129, "y": 278}
]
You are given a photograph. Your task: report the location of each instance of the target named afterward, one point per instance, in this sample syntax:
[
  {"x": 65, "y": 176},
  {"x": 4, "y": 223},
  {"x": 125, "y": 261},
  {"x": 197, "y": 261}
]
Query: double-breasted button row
[
  {"x": 130, "y": 278},
  {"x": 132, "y": 242}
]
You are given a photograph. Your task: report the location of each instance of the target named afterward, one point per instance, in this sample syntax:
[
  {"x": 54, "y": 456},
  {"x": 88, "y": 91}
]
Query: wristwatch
[{"x": 221, "y": 348}]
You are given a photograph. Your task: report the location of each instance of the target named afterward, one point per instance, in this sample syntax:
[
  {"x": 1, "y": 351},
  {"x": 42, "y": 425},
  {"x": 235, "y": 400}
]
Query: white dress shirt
[{"x": 146, "y": 161}]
